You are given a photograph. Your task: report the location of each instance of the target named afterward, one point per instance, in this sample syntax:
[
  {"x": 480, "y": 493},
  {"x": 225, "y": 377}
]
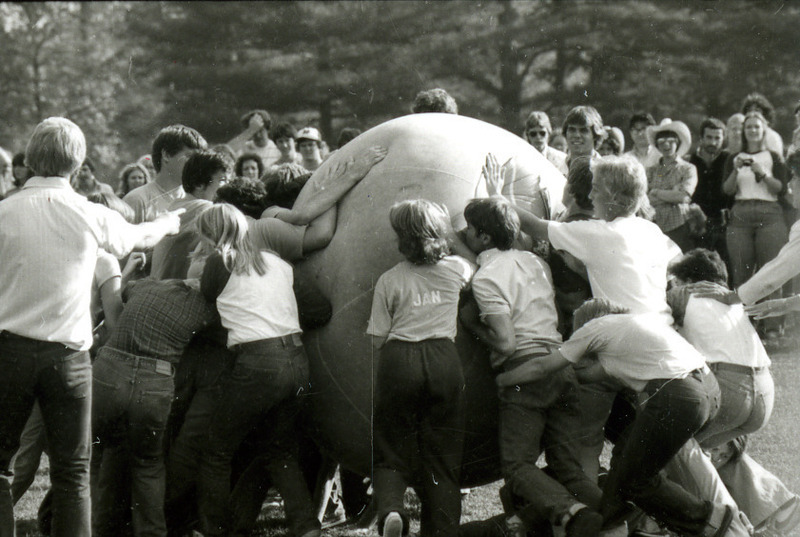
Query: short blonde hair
[
  {"x": 225, "y": 228},
  {"x": 625, "y": 182},
  {"x": 57, "y": 148}
]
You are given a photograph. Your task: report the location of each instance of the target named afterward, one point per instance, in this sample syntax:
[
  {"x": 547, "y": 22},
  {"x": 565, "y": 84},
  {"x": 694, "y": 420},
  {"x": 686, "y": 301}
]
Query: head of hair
[
  {"x": 641, "y": 117},
  {"x": 57, "y": 148},
  {"x": 579, "y": 182},
  {"x": 711, "y": 123},
  {"x": 224, "y": 227},
  {"x": 173, "y": 139},
  {"x": 593, "y": 309},
  {"x": 283, "y": 130},
  {"x": 347, "y": 134},
  {"x": 496, "y": 218},
  {"x": 700, "y": 265},
  {"x": 757, "y": 101},
  {"x": 764, "y": 123},
  {"x": 284, "y": 184},
  {"x": 265, "y": 117},
  {"x": 114, "y": 203},
  {"x": 250, "y": 197},
  {"x": 18, "y": 160},
  {"x": 244, "y": 158},
  {"x": 585, "y": 116},
  {"x": 537, "y": 118},
  {"x": 200, "y": 167},
  {"x": 226, "y": 150},
  {"x": 127, "y": 171},
  {"x": 624, "y": 181},
  {"x": 614, "y": 139},
  {"x": 434, "y": 100},
  {"x": 421, "y": 227},
  {"x": 89, "y": 163}
]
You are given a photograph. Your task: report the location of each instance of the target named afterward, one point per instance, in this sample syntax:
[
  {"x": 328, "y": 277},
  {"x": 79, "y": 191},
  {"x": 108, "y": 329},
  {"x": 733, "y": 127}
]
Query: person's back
[{"x": 520, "y": 281}]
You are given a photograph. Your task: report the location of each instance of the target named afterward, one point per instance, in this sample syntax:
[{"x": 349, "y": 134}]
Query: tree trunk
[{"x": 510, "y": 93}]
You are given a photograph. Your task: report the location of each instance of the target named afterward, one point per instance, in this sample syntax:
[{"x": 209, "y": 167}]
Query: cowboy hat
[{"x": 678, "y": 127}]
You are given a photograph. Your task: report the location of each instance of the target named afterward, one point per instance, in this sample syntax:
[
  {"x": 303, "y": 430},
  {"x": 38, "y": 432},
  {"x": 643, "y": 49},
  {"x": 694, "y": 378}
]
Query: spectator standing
[
  {"x": 309, "y": 143},
  {"x": 583, "y": 129},
  {"x": 249, "y": 166},
  {"x": 642, "y": 149},
  {"x": 131, "y": 177},
  {"x": 171, "y": 148},
  {"x": 537, "y": 132},
  {"x": 709, "y": 160},
  {"x": 255, "y": 137},
  {"x": 285, "y": 137},
  {"x": 671, "y": 182},
  {"x": 86, "y": 184},
  {"x": 756, "y": 177},
  {"x": 757, "y": 102},
  {"x": 45, "y": 321}
]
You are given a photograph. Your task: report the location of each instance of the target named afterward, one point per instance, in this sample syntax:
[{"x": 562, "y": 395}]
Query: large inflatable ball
[{"x": 437, "y": 157}]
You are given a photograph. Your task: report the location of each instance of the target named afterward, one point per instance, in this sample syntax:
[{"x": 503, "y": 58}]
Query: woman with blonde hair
[
  {"x": 254, "y": 297},
  {"x": 132, "y": 176},
  {"x": 757, "y": 178}
]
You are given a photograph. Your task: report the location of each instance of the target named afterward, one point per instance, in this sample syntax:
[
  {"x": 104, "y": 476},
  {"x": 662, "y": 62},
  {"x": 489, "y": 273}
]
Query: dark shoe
[
  {"x": 584, "y": 523},
  {"x": 393, "y": 525}
]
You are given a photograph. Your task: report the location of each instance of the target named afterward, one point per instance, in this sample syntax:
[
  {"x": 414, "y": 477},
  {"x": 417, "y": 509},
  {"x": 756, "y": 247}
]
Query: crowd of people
[{"x": 151, "y": 336}]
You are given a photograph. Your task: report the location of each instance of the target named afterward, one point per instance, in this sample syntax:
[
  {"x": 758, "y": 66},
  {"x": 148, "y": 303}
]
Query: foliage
[{"x": 125, "y": 69}]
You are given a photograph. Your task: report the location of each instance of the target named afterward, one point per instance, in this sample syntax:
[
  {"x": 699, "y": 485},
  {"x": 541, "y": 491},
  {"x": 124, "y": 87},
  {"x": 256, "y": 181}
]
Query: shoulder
[
  {"x": 139, "y": 194},
  {"x": 458, "y": 265}
]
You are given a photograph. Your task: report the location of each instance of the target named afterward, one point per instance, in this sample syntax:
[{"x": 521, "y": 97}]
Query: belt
[
  {"x": 287, "y": 341},
  {"x": 736, "y": 368},
  {"x": 152, "y": 364},
  {"x": 513, "y": 363}
]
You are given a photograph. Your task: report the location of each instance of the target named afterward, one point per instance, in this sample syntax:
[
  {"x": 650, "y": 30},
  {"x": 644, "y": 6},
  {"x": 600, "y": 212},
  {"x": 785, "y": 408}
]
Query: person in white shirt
[{"x": 49, "y": 239}]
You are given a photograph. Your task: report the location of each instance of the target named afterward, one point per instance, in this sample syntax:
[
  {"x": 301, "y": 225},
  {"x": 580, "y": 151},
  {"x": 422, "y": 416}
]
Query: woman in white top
[
  {"x": 253, "y": 294},
  {"x": 757, "y": 229}
]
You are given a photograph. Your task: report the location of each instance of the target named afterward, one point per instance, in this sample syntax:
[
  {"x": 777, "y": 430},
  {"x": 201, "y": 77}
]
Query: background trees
[{"x": 124, "y": 69}]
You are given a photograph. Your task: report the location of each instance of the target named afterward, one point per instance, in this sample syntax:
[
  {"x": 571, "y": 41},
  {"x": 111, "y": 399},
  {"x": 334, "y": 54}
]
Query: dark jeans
[
  {"x": 419, "y": 432},
  {"x": 133, "y": 396},
  {"x": 756, "y": 233},
  {"x": 673, "y": 411},
  {"x": 269, "y": 377},
  {"x": 60, "y": 379},
  {"x": 544, "y": 416}
]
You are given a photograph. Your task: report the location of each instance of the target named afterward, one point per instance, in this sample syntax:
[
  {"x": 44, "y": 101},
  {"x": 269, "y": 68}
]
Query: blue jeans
[
  {"x": 209, "y": 364},
  {"x": 747, "y": 401},
  {"x": 269, "y": 379},
  {"x": 133, "y": 396},
  {"x": 544, "y": 416},
  {"x": 756, "y": 233},
  {"x": 32, "y": 444},
  {"x": 60, "y": 379},
  {"x": 673, "y": 411}
]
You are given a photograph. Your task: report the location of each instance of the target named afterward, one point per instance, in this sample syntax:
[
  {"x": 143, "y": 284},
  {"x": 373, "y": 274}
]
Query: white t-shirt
[
  {"x": 419, "y": 302},
  {"x": 251, "y": 306},
  {"x": 634, "y": 349},
  {"x": 626, "y": 260},
  {"x": 723, "y": 333},
  {"x": 747, "y": 186},
  {"x": 518, "y": 284}
]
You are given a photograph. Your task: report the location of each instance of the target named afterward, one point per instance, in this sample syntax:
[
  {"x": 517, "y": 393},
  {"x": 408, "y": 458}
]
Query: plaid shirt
[
  {"x": 160, "y": 318},
  {"x": 679, "y": 175}
]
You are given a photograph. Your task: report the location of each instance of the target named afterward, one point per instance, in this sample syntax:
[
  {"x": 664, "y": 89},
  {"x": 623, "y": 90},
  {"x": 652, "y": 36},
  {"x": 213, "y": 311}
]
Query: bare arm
[
  {"x": 149, "y": 233},
  {"x": 497, "y": 330},
  {"x": 329, "y": 187},
  {"x": 533, "y": 370},
  {"x": 533, "y": 225},
  {"x": 320, "y": 231},
  {"x": 255, "y": 124},
  {"x": 111, "y": 299}
]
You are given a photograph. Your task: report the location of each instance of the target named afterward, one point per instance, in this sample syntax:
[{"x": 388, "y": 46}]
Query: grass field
[{"x": 777, "y": 447}]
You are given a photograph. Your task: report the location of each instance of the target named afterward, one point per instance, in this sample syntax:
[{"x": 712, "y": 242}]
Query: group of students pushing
[{"x": 710, "y": 382}]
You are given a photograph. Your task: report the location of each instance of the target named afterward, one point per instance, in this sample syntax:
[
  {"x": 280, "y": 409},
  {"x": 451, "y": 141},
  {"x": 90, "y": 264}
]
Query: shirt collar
[
  {"x": 48, "y": 182},
  {"x": 486, "y": 256}
]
